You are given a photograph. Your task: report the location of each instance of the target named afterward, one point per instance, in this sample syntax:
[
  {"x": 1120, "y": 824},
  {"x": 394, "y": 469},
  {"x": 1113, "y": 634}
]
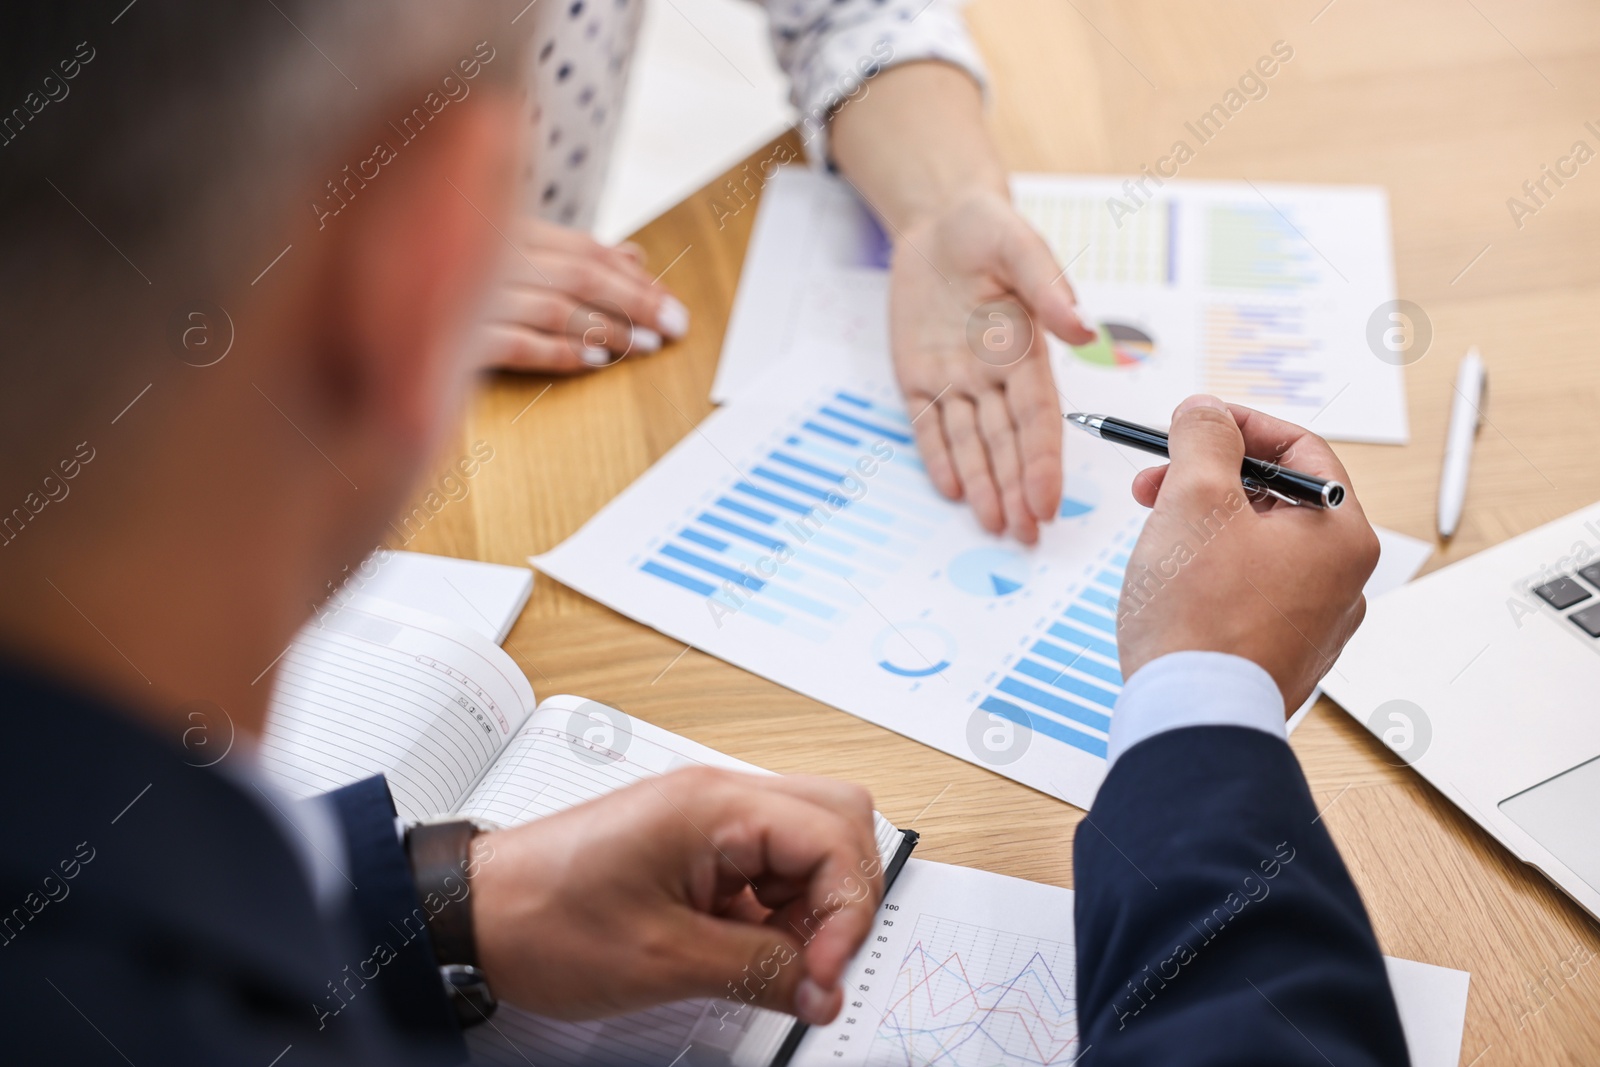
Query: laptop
[{"x": 1484, "y": 676}]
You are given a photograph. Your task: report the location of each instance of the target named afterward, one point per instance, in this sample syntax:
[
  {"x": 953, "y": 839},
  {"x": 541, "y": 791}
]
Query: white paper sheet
[
  {"x": 965, "y": 968},
  {"x": 895, "y": 605},
  {"x": 972, "y": 969},
  {"x": 867, "y": 590},
  {"x": 1259, "y": 293},
  {"x": 485, "y": 597},
  {"x": 1433, "y": 1009},
  {"x": 815, "y": 276},
  {"x": 704, "y": 92}
]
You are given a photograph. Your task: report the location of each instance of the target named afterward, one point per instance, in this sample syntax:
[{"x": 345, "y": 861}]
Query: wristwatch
[{"x": 440, "y": 855}]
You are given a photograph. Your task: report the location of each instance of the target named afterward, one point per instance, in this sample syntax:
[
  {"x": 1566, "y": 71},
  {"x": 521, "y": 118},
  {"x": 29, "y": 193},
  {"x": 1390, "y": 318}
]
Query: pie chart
[
  {"x": 989, "y": 572},
  {"x": 1118, "y": 347}
]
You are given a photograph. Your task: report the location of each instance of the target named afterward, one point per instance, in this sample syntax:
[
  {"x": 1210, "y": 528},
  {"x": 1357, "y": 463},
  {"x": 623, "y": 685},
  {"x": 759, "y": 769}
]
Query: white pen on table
[{"x": 1466, "y": 418}]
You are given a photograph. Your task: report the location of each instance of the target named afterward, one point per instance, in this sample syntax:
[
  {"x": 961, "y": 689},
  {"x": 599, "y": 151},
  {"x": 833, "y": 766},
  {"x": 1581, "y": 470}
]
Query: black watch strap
[{"x": 440, "y": 854}]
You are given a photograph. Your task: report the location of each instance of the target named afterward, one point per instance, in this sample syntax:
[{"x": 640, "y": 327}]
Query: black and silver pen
[{"x": 1258, "y": 475}]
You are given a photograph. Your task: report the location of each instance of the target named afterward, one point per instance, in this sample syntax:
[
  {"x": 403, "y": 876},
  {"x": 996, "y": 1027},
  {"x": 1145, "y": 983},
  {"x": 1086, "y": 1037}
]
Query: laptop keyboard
[
  {"x": 1587, "y": 620},
  {"x": 1565, "y": 592},
  {"x": 1562, "y": 593}
]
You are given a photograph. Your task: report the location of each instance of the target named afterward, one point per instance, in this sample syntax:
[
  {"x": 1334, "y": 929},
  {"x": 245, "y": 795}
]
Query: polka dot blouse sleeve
[{"x": 830, "y": 47}]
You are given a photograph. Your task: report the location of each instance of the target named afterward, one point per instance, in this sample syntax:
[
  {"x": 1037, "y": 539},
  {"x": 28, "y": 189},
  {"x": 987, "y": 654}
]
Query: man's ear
[{"x": 405, "y": 279}]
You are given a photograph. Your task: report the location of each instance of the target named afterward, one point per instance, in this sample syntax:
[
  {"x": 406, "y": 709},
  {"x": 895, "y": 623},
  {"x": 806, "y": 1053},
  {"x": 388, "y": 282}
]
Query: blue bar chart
[
  {"x": 799, "y": 537},
  {"x": 796, "y": 534},
  {"x": 1138, "y": 248},
  {"x": 1263, "y": 354},
  {"x": 1065, "y": 682},
  {"x": 1255, "y": 246}
]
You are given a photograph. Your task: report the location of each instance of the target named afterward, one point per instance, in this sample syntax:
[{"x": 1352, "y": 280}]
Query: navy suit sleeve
[
  {"x": 391, "y": 923},
  {"x": 1216, "y": 923}
]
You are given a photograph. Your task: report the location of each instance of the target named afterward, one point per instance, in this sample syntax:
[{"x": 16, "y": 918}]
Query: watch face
[{"x": 469, "y": 993}]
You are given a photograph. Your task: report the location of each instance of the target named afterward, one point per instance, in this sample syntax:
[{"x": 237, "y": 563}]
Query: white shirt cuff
[{"x": 1194, "y": 689}]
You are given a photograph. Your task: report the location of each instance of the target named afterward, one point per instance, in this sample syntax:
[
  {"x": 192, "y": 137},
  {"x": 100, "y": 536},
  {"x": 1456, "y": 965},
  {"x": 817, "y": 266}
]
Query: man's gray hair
[{"x": 152, "y": 152}]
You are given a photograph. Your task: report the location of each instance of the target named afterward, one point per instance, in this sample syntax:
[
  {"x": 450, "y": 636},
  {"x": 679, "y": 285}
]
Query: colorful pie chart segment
[{"x": 1118, "y": 347}]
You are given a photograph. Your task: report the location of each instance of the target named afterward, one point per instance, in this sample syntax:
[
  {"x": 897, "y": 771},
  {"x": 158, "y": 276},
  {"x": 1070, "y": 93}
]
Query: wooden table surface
[{"x": 1451, "y": 105}]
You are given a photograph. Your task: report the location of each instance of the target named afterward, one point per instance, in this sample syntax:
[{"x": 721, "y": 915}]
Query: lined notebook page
[
  {"x": 376, "y": 687},
  {"x": 571, "y": 750}
]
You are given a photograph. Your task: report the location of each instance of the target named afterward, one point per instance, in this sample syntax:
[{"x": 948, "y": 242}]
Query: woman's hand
[
  {"x": 568, "y": 303},
  {"x": 972, "y": 291}
]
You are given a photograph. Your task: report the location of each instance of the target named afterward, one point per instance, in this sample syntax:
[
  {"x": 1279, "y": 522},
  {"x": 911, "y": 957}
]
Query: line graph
[{"x": 973, "y": 996}]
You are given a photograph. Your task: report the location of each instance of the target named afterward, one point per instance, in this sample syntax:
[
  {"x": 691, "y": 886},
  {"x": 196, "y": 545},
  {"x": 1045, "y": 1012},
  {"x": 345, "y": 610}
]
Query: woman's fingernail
[
  {"x": 632, "y": 251},
  {"x": 811, "y": 1003},
  {"x": 645, "y": 339},
  {"x": 595, "y": 356},
  {"x": 674, "y": 318}
]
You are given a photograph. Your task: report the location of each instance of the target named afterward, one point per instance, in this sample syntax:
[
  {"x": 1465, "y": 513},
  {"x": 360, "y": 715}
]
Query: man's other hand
[
  {"x": 701, "y": 883},
  {"x": 1277, "y": 584}
]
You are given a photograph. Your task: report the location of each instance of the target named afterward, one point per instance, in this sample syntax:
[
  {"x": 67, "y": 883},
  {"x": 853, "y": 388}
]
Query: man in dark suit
[
  {"x": 1216, "y": 922},
  {"x": 218, "y": 388},
  {"x": 244, "y": 249}
]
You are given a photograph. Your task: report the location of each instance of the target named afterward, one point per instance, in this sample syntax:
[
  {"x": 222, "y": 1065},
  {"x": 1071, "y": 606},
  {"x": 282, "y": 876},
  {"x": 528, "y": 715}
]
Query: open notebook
[{"x": 374, "y": 687}]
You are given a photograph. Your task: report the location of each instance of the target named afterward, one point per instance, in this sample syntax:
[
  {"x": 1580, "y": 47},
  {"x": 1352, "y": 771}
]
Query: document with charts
[
  {"x": 1275, "y": 296},
  {"x": 374, "y": 687},
  {"x": 972, "y": 969},
  {"x": 795, "y": 534}
]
